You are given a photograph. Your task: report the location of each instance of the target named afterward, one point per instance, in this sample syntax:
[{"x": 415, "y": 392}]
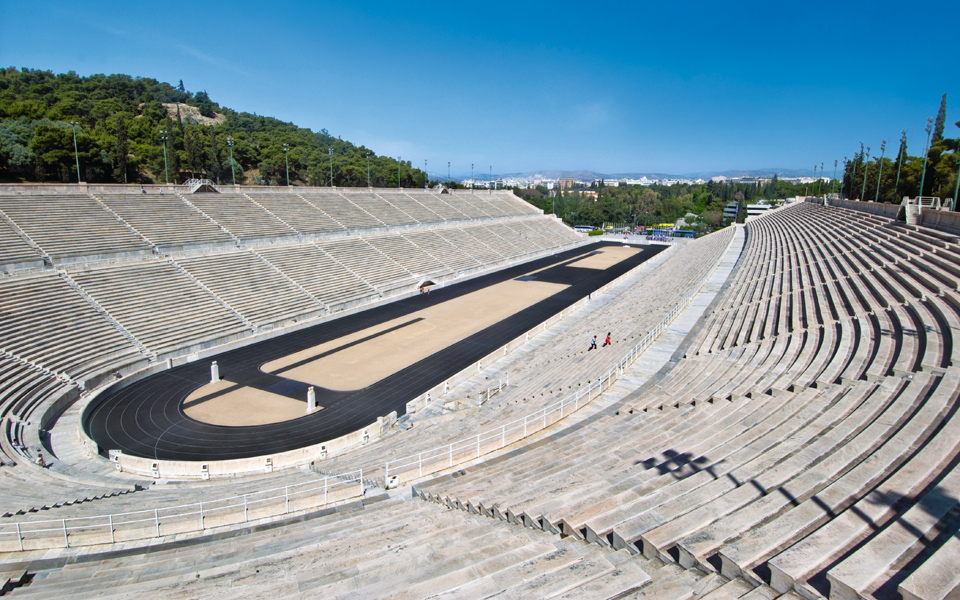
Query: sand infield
[{"x": 363, "y": 358}]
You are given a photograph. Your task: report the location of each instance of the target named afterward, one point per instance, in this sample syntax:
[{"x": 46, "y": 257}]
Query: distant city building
[
  {"x": 762, "y": 181},
  {"x": 758, "y": 181},
  {"x": 672, "y": 181},
  {"x": 566, "y": 183},
  {"x": 753, "y": 210},
  {"x": 486, "y": 184}
]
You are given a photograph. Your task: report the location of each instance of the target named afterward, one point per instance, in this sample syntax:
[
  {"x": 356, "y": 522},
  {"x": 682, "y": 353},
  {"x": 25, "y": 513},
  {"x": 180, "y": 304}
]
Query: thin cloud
[
  {"x": 210, "y": 60},
  {"x": 589, "y": 117},
  {"x": 127, "y": 34},
  {"x": 118, "y": 32}
]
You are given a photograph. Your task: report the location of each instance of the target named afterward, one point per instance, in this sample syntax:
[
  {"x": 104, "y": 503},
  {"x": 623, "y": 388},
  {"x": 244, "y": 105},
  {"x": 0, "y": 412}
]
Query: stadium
[{"x": 362, "y": 392}]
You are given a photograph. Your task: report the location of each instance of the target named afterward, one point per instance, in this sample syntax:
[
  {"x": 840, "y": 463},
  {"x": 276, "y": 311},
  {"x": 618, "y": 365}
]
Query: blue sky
[{"x": 674, "y": 87}]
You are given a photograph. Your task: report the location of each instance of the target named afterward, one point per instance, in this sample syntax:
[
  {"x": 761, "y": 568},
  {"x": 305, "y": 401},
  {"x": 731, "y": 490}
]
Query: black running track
[{"x": 147, "y": 418}]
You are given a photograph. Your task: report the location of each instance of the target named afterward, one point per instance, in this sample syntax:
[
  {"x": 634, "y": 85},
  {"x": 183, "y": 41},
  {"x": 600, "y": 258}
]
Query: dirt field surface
[
  {"x": 228, "y": 403},
  {"x": 606, "y": 258},
  {"x": 365, "y": 357}
]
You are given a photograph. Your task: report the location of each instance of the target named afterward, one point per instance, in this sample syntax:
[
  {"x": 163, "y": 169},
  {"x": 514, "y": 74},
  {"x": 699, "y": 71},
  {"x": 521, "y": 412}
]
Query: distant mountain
[
  {"x": 769, "y": 172},
  {"x": 586, "y": 175}
]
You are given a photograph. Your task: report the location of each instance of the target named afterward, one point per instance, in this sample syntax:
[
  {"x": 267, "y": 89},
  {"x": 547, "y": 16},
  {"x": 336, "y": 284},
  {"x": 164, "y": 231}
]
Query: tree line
[
  {"x": 888, "y": 174},
  {"x": 649, "y": 205},
  {"x": 140, "y": 130}
]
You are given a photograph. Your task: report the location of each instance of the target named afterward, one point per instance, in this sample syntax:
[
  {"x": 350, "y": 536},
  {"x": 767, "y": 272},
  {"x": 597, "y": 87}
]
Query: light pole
[
  {"x": 903, "y": 144},
  {"x": 76, "y": 153},
  {"x": 853, "y": 177},
  {"x": 448, "y": 171},
  {"x": 286, "y": 150},
  {"x": 232, "y": 170},
  {"x": 956, "y": 187},
  {"x": 330, "y": 154},
  {"x": 844, "y": 170},
  {"x": 471, "y": 176},
  {"x": 367, "y": 153},
  {"x": 399, "y": 162},
  {"x": 166, "y": 170},
  {"x": 833, "y": 188},
  {"x": 426, "y": 178},
  {"x": 883, "y": 146},
  {"x": 925, "y": 150},
  {"x": 815, "y": 177},
  {"x": 866, "y": 171},
  {"x": 819, "y": 181}
]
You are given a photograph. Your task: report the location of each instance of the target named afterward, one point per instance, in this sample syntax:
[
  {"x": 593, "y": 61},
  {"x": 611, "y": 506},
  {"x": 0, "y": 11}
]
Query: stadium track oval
[{"x": 147, "y": 417}]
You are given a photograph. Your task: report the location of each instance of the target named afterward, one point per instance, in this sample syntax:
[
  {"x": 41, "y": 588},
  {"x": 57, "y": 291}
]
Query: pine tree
[
  {"x": 213, "y": 157},
  {"x": 940, "y": 122},
  {"x": 902, "y": 152},
  {"x": 121, "y": 149}
]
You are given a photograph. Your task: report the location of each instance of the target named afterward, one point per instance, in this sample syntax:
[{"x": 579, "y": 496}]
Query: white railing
[
  {"x": 928, "y": 202},
  {"x": 492, "y": 391},
  {"x": 185, "y": 518},
  {"x": 195, "y": 184},
  {"x": 456, "y": 453}
]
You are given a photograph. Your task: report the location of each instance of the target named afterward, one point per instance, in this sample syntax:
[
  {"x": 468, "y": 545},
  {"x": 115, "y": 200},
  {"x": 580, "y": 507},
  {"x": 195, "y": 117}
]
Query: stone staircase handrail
[{"x": 194, "y": 184}]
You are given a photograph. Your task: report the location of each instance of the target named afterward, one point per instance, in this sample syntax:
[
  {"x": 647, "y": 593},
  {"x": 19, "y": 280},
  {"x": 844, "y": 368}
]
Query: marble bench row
[
  {"x": 407, "y": 550},
  {"x": 148, "y": 295},
  {"x": 71, "y": 226},
  {"x": 855, "y": 441},
  {"x": 46, "y": 323}
]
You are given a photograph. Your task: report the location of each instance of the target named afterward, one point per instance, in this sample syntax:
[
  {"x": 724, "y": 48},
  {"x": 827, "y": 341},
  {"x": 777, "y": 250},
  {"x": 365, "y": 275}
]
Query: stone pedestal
[
  {"x": 214, "y": 372},
  {"x": 311, "y": 400}
]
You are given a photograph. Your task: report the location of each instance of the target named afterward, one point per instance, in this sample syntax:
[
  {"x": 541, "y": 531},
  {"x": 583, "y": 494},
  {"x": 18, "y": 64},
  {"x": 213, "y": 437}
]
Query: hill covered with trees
[{"x": 120, "y": 123}]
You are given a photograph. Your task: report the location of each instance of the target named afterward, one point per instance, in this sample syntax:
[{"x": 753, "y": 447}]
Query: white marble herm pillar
[
  {"x": 214, "y": 372},
  {"x": 311, "y": 400}
]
